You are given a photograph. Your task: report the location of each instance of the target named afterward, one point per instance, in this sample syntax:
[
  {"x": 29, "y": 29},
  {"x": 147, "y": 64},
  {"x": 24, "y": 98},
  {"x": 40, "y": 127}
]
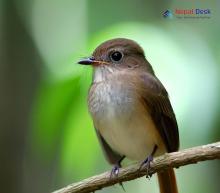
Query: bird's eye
[{"x": 116, "y": 56}]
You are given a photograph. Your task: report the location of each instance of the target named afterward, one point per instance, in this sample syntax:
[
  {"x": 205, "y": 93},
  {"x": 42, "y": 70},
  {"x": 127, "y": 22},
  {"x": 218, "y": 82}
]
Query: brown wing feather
[
  {"x": 110, "y": 155},
  {"x": 156, "y": 98}
]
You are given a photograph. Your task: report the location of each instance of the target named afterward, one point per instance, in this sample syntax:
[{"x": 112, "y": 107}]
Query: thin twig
[{"x": 174, "y": 160}]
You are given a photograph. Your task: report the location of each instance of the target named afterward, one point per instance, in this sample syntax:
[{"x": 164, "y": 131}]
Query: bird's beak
[
  {"x": 91, "y": 61},
  {"x": 87, "y": 61}
]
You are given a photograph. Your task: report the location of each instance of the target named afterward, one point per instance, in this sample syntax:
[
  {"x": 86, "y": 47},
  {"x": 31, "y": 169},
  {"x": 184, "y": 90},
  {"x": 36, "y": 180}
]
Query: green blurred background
[{"x": 47, "y": 138}]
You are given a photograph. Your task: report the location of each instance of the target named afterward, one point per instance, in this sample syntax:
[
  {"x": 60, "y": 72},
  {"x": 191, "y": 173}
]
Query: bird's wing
[
  {"x": 110, "y": 155},
  {"x": 156, "y": 99}
]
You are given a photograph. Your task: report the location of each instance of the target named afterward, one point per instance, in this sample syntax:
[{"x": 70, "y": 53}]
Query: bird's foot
[
  {"x": 115, "y": 171},
  {"x": 146, "y": 163}
]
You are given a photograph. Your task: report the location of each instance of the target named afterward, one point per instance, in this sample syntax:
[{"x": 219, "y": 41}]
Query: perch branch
[{"x": 174, "y": 160}]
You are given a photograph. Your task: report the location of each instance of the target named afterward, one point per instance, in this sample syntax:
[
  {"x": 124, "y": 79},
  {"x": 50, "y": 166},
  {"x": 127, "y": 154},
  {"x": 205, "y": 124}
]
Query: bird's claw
[
  {"x": 146, "y": 163},
  {"x": 115, "y": 171}
]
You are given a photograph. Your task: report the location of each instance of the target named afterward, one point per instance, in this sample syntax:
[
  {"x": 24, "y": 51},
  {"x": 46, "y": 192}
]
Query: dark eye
[{"x": 116, "y": 56}]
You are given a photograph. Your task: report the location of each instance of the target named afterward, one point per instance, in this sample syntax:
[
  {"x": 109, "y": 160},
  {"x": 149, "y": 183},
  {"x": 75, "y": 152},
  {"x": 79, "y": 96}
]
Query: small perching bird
[{"x": 130, "y": 108}]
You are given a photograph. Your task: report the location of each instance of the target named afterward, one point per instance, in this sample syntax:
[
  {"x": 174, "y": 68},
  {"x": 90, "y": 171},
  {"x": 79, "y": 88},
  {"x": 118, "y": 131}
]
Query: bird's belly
[
  {"x": 134, "y": 138},
  {"x": 125, "y": 125}
]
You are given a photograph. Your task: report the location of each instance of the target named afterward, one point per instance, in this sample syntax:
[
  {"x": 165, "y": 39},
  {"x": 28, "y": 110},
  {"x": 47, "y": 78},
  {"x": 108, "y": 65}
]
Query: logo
[
  {"x": 187, "y": 13},
  {"x": 167, "y": 14}
]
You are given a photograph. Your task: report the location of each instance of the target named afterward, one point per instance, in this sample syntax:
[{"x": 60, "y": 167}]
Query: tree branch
[{"x": 174, "y": 160}]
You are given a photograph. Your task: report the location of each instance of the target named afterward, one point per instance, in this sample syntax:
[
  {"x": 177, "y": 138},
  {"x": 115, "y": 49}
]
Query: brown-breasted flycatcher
[{"x": 130, "y": 108}]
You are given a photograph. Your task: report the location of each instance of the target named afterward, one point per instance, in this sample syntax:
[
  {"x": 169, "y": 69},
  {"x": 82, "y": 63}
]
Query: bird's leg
[
  {"x": 148, "y": 160},
  {"x": 115, "y": 169}
]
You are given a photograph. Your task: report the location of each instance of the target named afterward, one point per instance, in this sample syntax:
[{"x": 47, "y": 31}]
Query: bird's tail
[{"x": 167, "y": 181}]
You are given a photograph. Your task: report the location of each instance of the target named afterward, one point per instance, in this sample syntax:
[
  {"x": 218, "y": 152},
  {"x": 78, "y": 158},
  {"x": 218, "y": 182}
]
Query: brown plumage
[{"x": 130, "y": 107}]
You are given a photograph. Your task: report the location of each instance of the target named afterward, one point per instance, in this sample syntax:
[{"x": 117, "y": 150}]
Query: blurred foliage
[
  {"x": 61, "y": 142},
  {"x": 62, "y": 116}
]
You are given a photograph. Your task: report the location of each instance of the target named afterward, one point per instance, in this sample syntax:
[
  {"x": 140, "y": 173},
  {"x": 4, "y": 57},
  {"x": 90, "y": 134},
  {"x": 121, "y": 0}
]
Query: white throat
[{"x": 102, "y": 73}]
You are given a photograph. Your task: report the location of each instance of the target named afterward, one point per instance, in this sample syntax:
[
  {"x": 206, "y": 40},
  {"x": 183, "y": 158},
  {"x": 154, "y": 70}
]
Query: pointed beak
[
  {"x": 87, "y": 61},
  {"x": 91, "y": 61}
]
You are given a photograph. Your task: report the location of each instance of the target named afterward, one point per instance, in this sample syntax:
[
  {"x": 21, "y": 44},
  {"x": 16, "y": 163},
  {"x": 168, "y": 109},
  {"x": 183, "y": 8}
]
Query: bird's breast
[
  {"x": 122, "y": 120},
  {"x": 108, "y": 100}
]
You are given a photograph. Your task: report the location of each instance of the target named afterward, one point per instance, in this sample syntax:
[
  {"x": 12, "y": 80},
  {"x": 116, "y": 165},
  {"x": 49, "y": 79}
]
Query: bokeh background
[{"x": 47, "y": 138}]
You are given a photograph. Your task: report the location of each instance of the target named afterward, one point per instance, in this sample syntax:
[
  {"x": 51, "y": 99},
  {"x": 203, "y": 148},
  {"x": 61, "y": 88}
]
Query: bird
[{"x": 130, "y": 108}]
